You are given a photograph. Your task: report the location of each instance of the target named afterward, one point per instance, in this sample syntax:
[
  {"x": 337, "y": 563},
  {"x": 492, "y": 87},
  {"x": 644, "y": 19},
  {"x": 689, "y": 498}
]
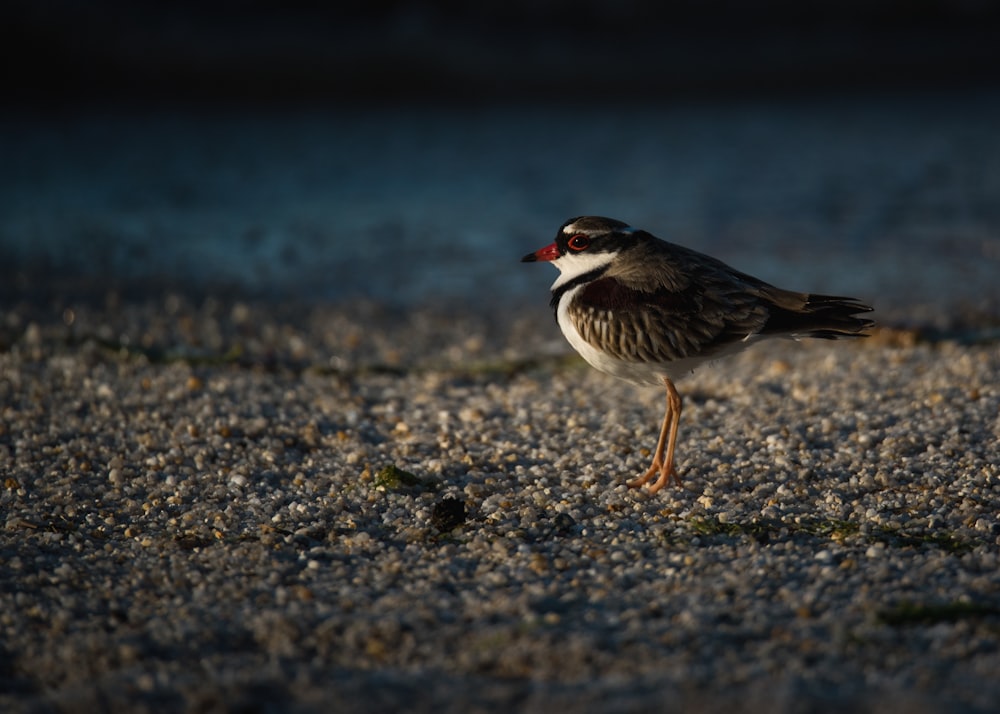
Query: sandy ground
[{"x": 243, "y": 508}]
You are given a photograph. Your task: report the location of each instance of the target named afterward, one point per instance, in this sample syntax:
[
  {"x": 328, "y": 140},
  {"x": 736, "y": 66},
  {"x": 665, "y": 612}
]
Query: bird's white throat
[{"x": 573, "y": 265}]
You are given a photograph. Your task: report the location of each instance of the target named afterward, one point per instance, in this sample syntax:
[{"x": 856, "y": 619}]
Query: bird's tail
[{"x": 827, "y": 317}]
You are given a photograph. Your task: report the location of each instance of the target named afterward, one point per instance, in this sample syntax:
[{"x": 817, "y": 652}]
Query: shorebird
[{"x": 649, "y": 312}]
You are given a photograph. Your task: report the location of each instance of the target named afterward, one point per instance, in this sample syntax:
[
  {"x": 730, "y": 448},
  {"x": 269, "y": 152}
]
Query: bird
[{"x": 649, "y": 312}]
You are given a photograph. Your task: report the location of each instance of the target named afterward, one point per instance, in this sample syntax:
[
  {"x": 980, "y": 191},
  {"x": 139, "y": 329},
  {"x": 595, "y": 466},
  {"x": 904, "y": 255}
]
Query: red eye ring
[{"x": 578, "y": 242}]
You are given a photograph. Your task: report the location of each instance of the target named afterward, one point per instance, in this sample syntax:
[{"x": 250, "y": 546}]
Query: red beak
[{"x": 549, "y": 252}]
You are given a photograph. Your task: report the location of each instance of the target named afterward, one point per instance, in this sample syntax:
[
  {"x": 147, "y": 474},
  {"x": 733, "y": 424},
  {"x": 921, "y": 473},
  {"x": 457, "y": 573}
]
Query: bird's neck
[{"x": 559, "y": 289}]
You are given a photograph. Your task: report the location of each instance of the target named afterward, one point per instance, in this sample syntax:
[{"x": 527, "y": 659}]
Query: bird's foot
[{"x": 663, "y": 474}]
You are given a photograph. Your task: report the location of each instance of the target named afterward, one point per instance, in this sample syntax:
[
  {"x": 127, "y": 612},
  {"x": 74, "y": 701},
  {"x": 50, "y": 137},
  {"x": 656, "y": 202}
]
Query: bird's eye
[{"x": 578, "y": 242}]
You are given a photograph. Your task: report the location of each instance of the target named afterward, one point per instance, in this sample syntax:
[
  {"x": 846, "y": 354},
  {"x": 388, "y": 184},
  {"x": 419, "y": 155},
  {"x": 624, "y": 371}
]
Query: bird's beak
[{"x": 549, "y": 252}]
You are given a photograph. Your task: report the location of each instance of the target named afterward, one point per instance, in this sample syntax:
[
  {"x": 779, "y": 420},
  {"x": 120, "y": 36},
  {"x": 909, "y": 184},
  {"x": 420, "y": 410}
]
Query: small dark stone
[
  {"x": 563, "y": 523},
  {"x": 448, "y": 513},
  {"x": 548, "y": 604},
  {"x": 191, "y": 541}
]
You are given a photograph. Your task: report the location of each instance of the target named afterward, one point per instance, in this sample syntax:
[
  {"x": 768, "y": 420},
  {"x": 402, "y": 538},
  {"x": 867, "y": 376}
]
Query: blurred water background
[{"x": 411, "y": 153}]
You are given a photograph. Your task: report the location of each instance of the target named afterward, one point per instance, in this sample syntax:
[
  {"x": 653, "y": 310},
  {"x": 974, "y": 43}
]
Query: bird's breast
[{"x": 608, "y": 343}]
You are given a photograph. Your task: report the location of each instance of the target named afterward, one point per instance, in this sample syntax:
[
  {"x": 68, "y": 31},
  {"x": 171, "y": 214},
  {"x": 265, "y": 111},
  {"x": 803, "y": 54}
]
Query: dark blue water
[{"x": 894, "y": 199}]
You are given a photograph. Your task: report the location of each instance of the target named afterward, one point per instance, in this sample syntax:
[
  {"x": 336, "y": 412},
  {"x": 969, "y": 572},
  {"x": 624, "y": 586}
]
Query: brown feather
[{"x": 695, "y": 305}]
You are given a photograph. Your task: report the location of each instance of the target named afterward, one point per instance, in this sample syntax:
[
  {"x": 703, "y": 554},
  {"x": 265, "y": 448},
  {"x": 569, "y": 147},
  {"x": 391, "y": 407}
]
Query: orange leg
[{"x": 664, "y": 469}]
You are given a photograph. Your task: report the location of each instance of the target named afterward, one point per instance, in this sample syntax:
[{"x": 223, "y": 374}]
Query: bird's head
[{"x": 584, "y": 245}]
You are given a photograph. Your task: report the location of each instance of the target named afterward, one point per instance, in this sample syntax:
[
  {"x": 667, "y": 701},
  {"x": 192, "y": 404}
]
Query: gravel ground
[{"x": 228, "y": 506}]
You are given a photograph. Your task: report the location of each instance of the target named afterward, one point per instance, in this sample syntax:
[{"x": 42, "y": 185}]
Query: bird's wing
[{"x": 677, "y": 319}]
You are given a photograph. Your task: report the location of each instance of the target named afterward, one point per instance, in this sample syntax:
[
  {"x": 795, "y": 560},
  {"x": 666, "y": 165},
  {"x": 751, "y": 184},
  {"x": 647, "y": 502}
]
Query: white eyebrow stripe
[{"x": 571, "y": 228}]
